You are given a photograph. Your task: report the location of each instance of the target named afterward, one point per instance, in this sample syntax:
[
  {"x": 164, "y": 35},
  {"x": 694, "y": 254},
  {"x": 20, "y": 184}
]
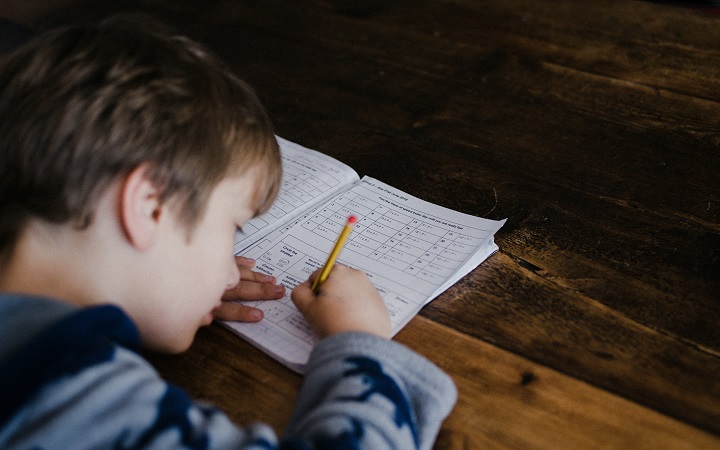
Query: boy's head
[
  {"x": 82, "y": 107},
  {"x": 148, "y": 153}
]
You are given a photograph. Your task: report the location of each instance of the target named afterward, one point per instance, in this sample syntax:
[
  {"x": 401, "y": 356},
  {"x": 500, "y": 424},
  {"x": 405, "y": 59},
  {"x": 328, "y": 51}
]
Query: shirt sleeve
[
  {"x": 123, "y": 403},
  {"x": 361, "y": 391}
]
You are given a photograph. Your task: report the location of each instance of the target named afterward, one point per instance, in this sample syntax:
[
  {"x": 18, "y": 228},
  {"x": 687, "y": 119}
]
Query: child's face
[{"x": 197, "y": 270}]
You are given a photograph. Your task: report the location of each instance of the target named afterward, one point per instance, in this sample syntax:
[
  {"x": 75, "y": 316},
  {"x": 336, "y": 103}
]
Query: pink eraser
[{"x": 352, "y": 219}]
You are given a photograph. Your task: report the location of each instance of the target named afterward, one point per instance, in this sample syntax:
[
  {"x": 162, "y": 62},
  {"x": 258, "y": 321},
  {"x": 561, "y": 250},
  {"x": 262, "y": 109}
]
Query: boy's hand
[
  {"x": 346, "y": 301},
  {"x": 252, "y": 286}
]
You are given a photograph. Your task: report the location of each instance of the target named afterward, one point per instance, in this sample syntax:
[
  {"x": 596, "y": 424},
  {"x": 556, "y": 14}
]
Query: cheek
[{"x": 219, "y": 266}]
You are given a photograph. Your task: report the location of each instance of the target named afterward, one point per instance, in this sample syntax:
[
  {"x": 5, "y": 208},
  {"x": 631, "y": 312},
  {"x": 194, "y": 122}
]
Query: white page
[
  {"x": 308, "y": 177},
  {"x": 411, "y": 249}
]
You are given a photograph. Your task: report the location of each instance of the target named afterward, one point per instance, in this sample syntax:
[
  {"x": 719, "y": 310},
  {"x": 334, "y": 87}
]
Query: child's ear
[{"x": 140, "y": 208}]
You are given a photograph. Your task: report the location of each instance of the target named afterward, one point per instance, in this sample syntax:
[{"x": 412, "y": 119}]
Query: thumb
[{"x": 303, "y": 294}]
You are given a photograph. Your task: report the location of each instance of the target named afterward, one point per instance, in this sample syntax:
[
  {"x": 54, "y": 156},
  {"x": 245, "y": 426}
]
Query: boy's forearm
[{"x": 372, "y": 392}]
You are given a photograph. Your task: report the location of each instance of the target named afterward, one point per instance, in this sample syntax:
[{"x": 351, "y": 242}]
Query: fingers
[
  {"x": 243, "y": 262},
  {"x": 254, "y": 286},
  {"x": 237, "y": 312},
  {"x": 251, "y": 290},
  {"x": 302, "y": 295},
  {"x": 258, "y": 277},
  {"x": 346, "y": 301}
]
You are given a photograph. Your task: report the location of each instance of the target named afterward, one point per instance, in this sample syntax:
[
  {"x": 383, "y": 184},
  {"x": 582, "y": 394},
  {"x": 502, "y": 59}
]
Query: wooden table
[{"x": 594, "y": 127}]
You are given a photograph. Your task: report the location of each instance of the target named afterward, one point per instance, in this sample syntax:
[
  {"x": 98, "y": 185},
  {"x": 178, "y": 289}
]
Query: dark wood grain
[{"x": 594, "y": 127}]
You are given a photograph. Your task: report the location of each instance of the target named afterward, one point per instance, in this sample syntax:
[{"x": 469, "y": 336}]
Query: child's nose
[{"x": 234, "y": 277}]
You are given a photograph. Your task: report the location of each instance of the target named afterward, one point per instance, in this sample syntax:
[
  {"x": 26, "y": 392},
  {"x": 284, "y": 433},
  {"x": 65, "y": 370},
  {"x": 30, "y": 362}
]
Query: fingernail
[
  {"x": 247, "y": 260},
  {"x": 280, "y": 289},
  {"x": 266, "y": 278},
  {"x": 256, "y": 314}
]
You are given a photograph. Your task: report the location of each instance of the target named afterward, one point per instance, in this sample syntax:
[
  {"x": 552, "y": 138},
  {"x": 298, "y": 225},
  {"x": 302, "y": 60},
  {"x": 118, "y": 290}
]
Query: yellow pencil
[{"x": 325, "y": 272}]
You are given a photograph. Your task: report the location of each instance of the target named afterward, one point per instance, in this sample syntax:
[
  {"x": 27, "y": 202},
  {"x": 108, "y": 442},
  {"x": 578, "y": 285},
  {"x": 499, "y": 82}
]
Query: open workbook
[{"x": 411, "y": 249}]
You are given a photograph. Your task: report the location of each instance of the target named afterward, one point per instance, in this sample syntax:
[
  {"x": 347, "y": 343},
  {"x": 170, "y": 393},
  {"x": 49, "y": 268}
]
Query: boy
[{"x": 128, "y": 159}]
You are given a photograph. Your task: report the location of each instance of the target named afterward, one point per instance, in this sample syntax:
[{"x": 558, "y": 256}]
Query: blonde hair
[{"x": 82, "y": 106}]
